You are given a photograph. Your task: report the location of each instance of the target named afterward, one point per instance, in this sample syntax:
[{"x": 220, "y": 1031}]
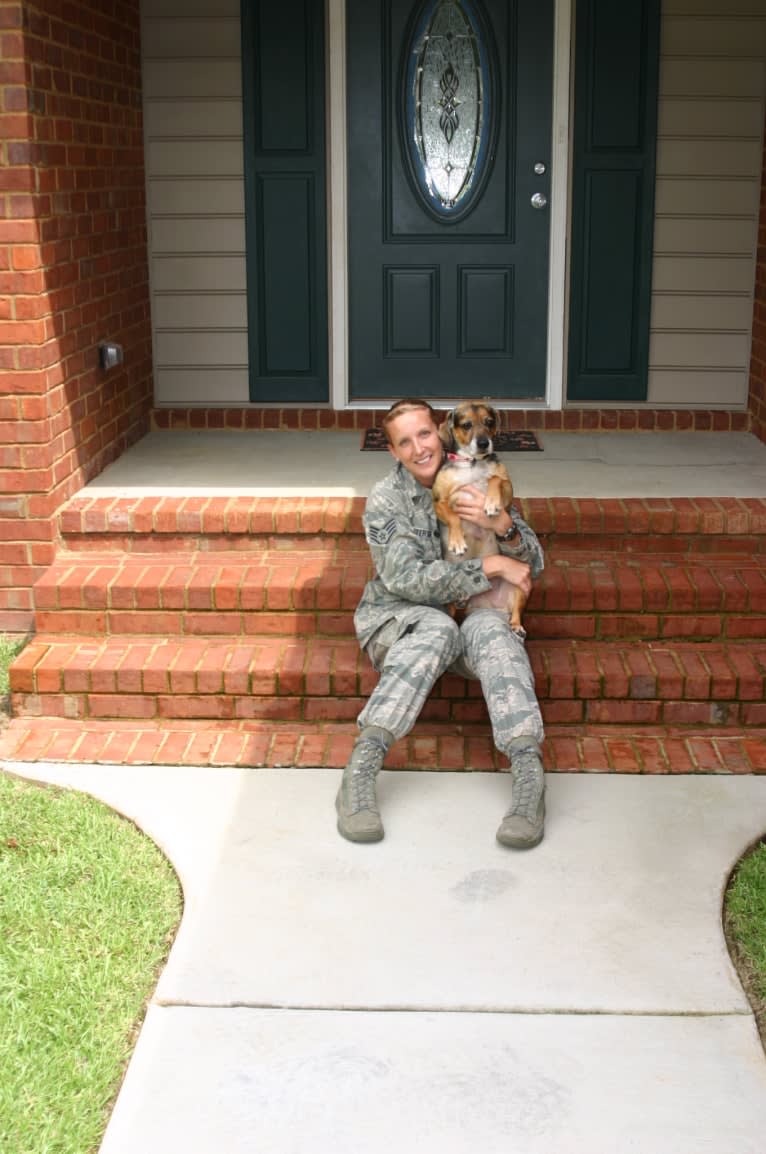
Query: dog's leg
[
  {"x": 456, "y": 542},
  {"x": 517, "y": 601},
  {"x": 499, "y": 495}
]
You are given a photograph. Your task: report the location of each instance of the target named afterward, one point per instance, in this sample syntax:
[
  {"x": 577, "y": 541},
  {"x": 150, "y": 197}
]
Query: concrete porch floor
[{"x": 295, "y": 463}]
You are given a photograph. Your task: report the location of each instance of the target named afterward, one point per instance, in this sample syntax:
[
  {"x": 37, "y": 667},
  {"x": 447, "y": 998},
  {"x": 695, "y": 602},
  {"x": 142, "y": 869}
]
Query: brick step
[
  {"x": 314, "y": 593},
  {"x": 201, "y": 592},
  {"x": 678, "y": 525},
  {"x": 315, "y": 681},
  {"x": 135, "y": 524},
  {"x": 657, "y": 750}
]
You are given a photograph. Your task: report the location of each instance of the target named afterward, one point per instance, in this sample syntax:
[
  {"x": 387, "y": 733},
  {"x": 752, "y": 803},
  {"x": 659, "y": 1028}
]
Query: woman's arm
[
  {"x": 522, "y": 545},
  {"x": 517, "y": 572}
]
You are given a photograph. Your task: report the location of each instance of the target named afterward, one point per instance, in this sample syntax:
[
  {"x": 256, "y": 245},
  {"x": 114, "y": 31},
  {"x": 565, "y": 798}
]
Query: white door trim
[{"x": 337, "y": 186}]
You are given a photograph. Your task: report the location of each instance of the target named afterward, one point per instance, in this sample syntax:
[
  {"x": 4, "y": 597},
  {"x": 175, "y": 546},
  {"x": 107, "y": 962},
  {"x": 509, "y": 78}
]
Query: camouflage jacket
[{"x": 403, "y": 535}]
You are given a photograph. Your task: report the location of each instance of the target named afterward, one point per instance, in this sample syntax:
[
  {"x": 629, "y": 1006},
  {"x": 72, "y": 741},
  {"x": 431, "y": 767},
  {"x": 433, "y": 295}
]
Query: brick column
[
  {"x": 757, "y": 399},
  {"x": 73, "y": 267}
]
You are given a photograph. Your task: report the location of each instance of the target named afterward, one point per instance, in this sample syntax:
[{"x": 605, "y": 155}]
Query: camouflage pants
[{"x": 421, "y": 644}]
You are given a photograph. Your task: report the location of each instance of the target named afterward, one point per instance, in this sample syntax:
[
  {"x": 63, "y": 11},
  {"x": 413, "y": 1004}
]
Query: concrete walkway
[{"x": 435, "y": 992}]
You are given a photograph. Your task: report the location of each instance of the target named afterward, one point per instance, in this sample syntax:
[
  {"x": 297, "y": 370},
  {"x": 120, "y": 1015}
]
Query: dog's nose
[{"x": 482, "y": 443}]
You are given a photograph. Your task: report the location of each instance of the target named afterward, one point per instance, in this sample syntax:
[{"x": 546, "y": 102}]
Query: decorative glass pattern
[{"x": 447, "y": 111}]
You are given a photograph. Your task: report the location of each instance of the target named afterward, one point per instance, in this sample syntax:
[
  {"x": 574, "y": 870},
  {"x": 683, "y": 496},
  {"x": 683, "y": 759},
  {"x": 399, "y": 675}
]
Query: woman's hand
[
  {"x": 517, "y": 572},
  {"x": 469, "y": 503}
]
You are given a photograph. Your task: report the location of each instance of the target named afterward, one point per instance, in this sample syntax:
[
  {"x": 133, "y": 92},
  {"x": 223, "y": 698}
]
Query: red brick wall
[
  {"x": 73, "y": 266},
  {"x": 757, "y": 403}
]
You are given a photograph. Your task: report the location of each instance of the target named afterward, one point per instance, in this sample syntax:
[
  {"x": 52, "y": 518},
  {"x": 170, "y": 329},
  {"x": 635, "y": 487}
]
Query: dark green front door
[{"x": 449, "y": 151}]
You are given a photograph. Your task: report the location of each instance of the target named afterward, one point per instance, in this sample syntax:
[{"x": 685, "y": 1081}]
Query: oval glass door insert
[{"x": 448, "y": 110}]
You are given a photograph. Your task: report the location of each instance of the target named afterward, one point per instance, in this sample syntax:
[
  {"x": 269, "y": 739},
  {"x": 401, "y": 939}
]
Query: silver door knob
[{"x": 538, "y": 200}]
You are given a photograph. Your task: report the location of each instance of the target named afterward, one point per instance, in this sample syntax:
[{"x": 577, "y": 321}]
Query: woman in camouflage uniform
[{"x": 403, "y": 624}]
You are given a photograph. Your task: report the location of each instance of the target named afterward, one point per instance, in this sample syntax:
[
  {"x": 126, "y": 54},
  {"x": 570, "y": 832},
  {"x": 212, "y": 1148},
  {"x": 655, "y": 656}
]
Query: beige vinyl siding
[
  {"x": 195, "y": 196},
  {"x": 709, "y": 156}
]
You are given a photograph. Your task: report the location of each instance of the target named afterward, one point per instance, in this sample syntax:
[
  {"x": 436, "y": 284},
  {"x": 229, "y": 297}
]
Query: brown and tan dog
[{"x": 468, "y": 434}]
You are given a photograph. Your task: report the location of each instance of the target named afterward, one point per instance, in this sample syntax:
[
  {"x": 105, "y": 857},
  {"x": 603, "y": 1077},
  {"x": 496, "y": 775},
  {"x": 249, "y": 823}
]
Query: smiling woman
[
  {"x": 413, "y": 439},
  {"x": 88, "y": 910},
  {"x": 404, "y": 625}
]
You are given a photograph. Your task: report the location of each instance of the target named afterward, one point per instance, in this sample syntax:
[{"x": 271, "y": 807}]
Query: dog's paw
[
  {"x": 491, "y": 509},
  {"x": 457, "y": 545}
]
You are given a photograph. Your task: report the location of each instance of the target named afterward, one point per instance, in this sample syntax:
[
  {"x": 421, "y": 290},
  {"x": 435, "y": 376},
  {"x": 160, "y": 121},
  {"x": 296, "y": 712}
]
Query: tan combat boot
[
  {"x": 523, "y": 824},
  {"x": 356, "y": 803}
]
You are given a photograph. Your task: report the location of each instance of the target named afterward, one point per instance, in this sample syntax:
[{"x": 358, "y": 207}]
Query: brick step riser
[
  {"x": 279, "y": 582},
  {"x": 219, "y": 623},
  {"x": 612, "y": 519},
  {"x": 684, "y": 684},
  {"x": 339, "y": 710},
  {"x": 588, "y": 626},
  {"x": 159, "y": 544},
  {"x": 595, "y": 749},
  {"x": 299, "y": 667},
  {"x": 137, "y": 545},
  {"x": 563, "y": 586},
  {"x": 720, "y": 685},
  {"x": 632, "y": 543}
]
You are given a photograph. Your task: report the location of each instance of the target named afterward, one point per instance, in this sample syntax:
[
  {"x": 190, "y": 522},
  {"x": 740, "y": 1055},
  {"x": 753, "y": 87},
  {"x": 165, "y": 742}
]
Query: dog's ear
[
  {"x": 446, "y": 430},
  {"x": 495, "y": 415}
]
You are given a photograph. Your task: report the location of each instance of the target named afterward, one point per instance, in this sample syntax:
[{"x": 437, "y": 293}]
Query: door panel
[
  {"x": 448, "y": 301},
  {"x": 486, "y": 299},
  {"x": 411, "y": 311}
]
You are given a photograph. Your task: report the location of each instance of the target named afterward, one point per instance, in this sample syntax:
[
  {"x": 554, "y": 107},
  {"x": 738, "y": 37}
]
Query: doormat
[{"x": 516, "y": 441}]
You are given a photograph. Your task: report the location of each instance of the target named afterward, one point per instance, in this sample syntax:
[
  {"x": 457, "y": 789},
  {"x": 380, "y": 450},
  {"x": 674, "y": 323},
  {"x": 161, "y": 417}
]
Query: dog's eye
[
  {"x": 467, "y": 426},
  {"x": 489, "y": 422}
]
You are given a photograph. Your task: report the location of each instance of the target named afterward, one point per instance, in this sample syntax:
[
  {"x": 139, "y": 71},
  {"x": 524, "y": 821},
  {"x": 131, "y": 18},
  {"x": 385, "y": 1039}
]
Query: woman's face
[{"x": 414, "y": 440}]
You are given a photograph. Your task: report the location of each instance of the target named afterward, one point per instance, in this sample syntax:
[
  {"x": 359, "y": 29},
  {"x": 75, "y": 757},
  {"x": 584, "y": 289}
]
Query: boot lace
[
  {"x": 365, "y": 763},
  {"x": 527, "y": 785}
]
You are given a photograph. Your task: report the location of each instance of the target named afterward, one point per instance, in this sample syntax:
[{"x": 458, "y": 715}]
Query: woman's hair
[{"x": 406, "y": 405}]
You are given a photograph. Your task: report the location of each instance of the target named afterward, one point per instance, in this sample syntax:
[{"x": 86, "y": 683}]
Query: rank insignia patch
[{"x": 381, "y": 534}]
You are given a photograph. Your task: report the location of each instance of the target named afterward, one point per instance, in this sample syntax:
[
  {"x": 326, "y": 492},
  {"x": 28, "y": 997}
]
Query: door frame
[{"x": 337, "y": 216}]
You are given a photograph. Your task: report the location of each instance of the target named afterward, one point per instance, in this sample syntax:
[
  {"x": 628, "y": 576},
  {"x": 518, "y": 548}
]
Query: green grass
[
  {"x": 9, "y": 647},
  {"x": 745, "y": 920},
  {"x": 88, "y": 909}
]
